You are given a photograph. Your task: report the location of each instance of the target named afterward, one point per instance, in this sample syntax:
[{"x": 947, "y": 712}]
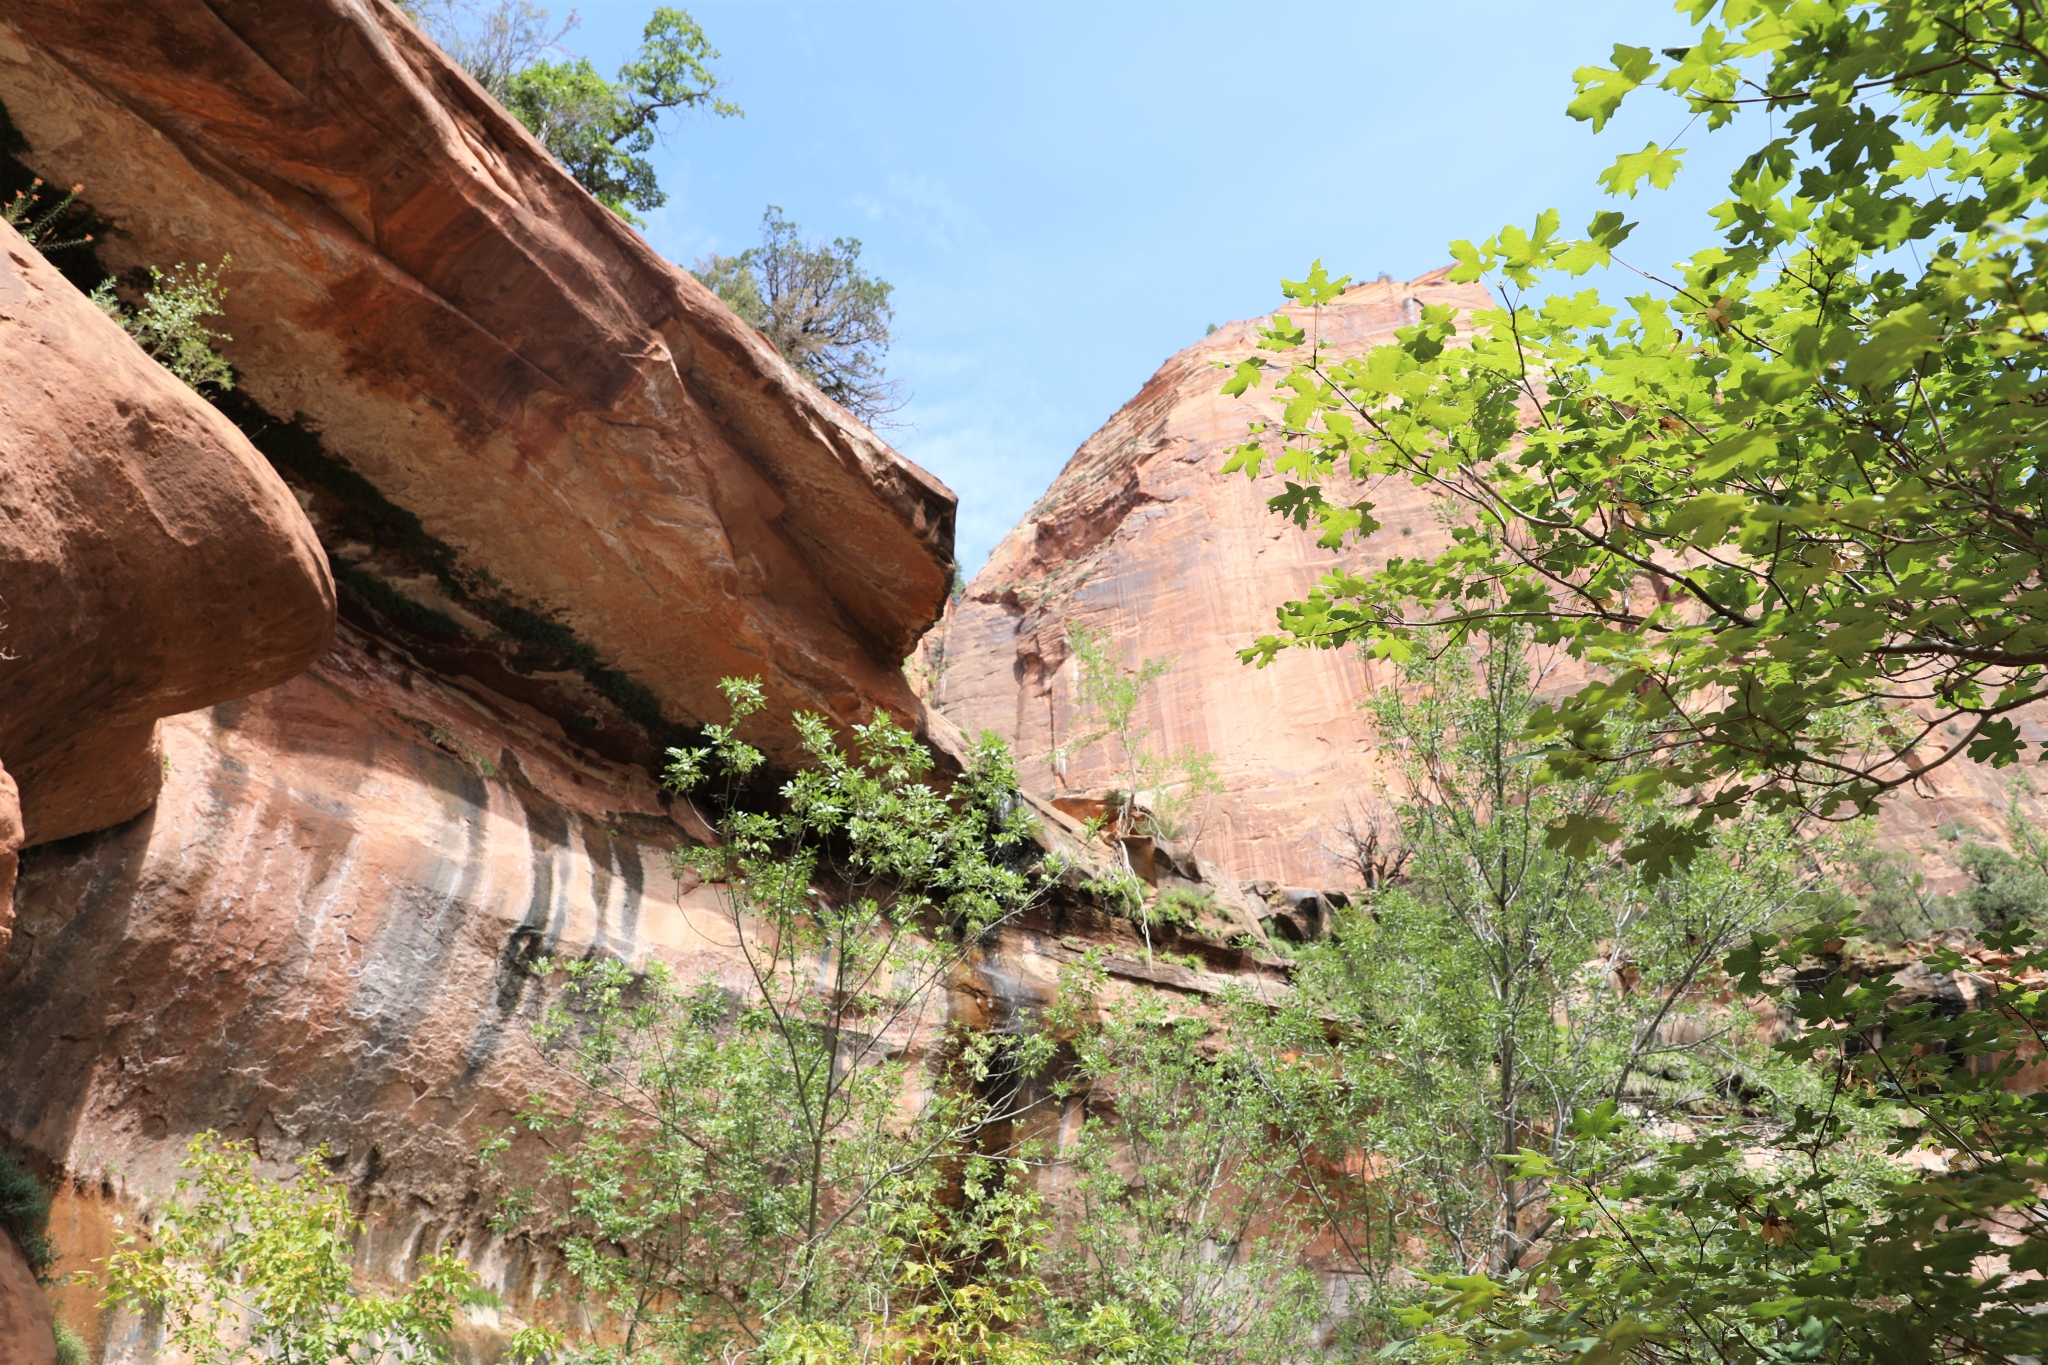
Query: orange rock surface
[
  {"x": 321, "y": 929},
  {"x": 26, "y": 1336},
  {"x": 150, "y": 561},
  {"x": 582, "y": 426},
  {"x": 1142, "y": 537}
]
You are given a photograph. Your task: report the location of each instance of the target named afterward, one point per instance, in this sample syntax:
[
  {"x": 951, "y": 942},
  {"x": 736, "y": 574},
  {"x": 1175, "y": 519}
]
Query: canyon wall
[
  {"x": 553, "y": 444},
  {"x": 322, "y": 930},
  {"x": 284, "y": 878},
  {"x": 334, "y": 703},
  {"x": 150, "y": 562},
  {"x": 1141, "y": 536},
  {"x": 554, "y": 490}
]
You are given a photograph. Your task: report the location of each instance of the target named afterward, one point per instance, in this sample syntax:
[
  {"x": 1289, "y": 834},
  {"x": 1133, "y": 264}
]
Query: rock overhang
[{"x": 592, "y": 437}]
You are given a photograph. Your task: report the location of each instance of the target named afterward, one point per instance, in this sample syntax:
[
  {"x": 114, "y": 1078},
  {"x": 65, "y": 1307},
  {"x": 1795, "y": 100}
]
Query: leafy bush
[
  {"x": 1897, "y": 1216},
  {"x": 25, "y": 1212},
  {"x": 1193, "y": 1192},
  {"x": 234, "y": 1253},
  {"x": 71, "y": 1348},
  {"x": 170, "y": 322}
]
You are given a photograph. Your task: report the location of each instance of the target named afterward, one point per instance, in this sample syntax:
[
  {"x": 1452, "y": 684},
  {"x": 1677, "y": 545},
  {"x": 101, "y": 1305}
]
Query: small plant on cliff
[
  {"x": 1169, "y": 787},
  {"x": 170, "y": 322},
  {"x": 828, "y": 317},
  {"x": 42, "y": 225},
  {"x": 749, "y": 1154},
  {"x": 71, "y": 1348},
  {"x": 242, "y": 1269},
  {"x": 1172, "y": 790},
  {"x": 25, "y": 1212}
]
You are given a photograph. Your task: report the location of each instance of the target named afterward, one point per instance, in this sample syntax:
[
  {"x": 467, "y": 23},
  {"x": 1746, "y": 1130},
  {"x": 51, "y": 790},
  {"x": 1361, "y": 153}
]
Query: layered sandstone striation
[
  {"x": 566, "y": 446},
  {"x": 324, "y": 931},
  {"x": 1142, "y": 537},
  {"x": 151, "y": 561}
]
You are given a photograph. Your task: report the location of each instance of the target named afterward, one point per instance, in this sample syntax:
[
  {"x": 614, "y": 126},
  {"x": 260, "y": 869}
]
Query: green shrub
[
  {"x": 170, "y": 322},
  {"x": 25, "y": 1212},
  {"x": 1183, "y": 907},
  {"x": 235, "y": 1253},
  {"x": 71, "y": 1348}
]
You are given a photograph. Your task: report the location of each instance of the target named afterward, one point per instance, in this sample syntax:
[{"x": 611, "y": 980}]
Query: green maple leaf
[{"x": 1601, "y": 89}]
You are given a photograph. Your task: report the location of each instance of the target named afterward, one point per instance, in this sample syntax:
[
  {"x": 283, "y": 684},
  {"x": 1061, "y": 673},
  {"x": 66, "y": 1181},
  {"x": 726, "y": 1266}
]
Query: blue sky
[{"x": 1065, "y": 195}]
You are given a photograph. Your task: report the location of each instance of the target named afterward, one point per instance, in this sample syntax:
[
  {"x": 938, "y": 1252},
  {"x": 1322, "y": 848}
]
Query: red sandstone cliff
[
  {"x": 1142, "y": 537},
  {"x": 318, "y": 929},
  {"x": 150, "y": 562},
  {"x": 554, "y": 478},
  {"x": 556, "y": 421},
  {"x": 531, "y": 450}
]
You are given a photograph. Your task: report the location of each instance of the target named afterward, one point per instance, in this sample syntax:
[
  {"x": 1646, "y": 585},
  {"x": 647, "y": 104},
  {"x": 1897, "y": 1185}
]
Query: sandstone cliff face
[
  {"x": 150, "y": 562},
  {"x": 26, "y": 1337},
  {"x": 1142, "y": 537},
  {"x": 563, "y": 432},
  {"x": 563, "y": 492},
  {"x": 321, "y": 932}
]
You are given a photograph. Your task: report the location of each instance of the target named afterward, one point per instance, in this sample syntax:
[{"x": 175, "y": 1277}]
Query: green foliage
[
  {"x": 814, "y": 303},
  {"x": 2005, "y": 894},
  {"x": 801, "y": 1153},
  {"x": 1167, "y": 787},
  {"x": 1892, "y": 894},
  {"x": 170, "y": 322},
  {"x": 2006, "y": 891},
  {"x": 970, "y": 1278},
  {"x": 1181, "y": 906},
  {"x": 1210, "y": 1157},
  {"x": 1785, "y": 496},
  {"x": 1509, "y": 982},
  {"x": 492, "y": 39},
  {"x": 599, "y": 128},
  {"x": 25, "y": 1212},
  {"x": 1764, "y": 1240},
  {"x": 244, "y": 1269},
  {"x": 71, "y": 1348}
]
